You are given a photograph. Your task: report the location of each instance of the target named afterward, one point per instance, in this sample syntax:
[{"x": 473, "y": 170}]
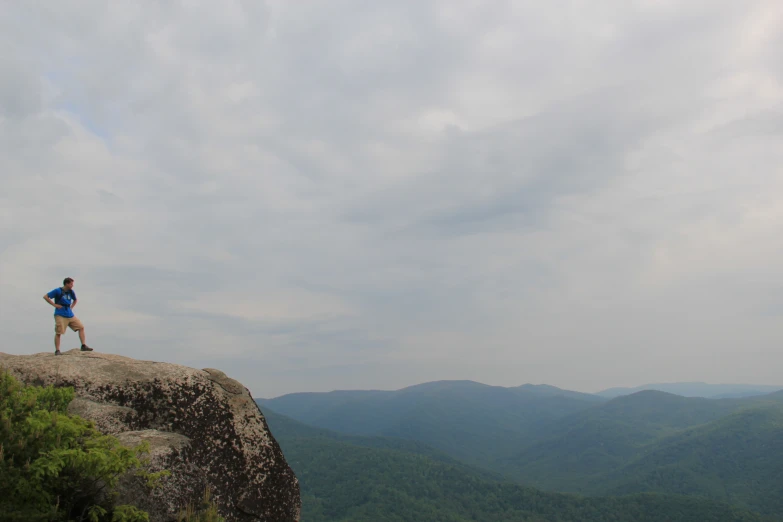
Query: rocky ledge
[{"x": 201, "y": 425}]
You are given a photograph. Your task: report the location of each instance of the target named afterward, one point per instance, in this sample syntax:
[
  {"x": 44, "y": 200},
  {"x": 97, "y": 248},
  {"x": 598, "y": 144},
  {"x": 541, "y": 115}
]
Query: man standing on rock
[{"x": 64, "y": 303}]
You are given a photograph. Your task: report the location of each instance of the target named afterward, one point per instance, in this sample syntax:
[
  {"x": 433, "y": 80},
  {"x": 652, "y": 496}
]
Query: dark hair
[{"x": 67, "y": 280}]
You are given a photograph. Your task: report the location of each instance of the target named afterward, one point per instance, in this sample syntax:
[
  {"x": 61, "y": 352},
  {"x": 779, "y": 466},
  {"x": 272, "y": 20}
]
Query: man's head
[{"x": 68, "y": 283}]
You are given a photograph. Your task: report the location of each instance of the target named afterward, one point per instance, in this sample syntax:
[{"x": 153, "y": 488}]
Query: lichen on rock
[{"x": 201, "y": 425}]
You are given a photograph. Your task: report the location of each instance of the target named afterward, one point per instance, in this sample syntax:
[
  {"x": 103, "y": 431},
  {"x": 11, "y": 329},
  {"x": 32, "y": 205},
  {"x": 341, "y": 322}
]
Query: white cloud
[{"x": 335, "y": 194}]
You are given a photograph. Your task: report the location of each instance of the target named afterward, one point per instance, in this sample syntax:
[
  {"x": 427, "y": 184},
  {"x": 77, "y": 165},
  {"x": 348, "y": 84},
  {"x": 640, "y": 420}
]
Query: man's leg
[
  {"x": 59, "y": 329},
  {"x": 77, "y": 325}
]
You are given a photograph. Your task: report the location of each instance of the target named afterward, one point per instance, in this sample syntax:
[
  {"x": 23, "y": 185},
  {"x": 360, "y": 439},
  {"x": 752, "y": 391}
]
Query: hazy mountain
[
  {"x": 737, "y": 459},
  {"x": 545, "y": 390},
  {"x": 696, "y": 389},
  {"x": 568, "y": 442},
  {"x": 290, "y": 429},
  {"x": 357, "y": 482},
  {"x": 468, "y": 420},
  {"x": 571, "y": 453}
]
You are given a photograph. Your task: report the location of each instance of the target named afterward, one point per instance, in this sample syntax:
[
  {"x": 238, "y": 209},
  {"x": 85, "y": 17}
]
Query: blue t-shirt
[{"x": 66, "y": 299}]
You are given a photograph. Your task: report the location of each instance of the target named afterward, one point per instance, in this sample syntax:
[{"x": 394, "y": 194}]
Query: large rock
[{"x": 201, "y": 425}]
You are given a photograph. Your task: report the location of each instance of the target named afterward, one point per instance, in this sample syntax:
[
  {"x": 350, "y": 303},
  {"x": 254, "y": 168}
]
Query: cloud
[{"x": 339, "y": 194}]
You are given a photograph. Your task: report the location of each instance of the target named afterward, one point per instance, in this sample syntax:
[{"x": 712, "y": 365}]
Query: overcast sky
[{"x": 347, "y": 194}]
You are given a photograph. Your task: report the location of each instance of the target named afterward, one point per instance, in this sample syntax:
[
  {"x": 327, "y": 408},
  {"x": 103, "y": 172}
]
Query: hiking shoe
[
  {"x": 57, "y": 352},
  {"x": 86, "y": 348}
]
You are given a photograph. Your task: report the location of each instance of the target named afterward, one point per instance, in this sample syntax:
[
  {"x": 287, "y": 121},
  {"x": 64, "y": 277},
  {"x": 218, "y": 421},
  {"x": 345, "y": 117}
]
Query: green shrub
[
  {"x": 206, "y": 511},
  {"x": 55, "y": 466}
]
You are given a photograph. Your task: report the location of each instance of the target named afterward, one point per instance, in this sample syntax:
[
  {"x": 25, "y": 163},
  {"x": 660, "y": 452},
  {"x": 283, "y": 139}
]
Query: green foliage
[
  {"x": 492, "y": 426},
  {"x": 206, "y": 511},
  {"x": 368, "y": 480},
  {"x": 722, "y": 449},
  {"x": 120, "y": 514},
  {"x": 737, "y": 459},
  {"x": 341, "y": 482},
  {"x": 58, "y": 467},
  {"x": 645, "y": 443}
]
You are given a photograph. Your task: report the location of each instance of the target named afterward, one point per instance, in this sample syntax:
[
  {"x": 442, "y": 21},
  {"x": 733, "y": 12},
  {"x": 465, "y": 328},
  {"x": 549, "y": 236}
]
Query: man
[{"x": 64, "y": 301}]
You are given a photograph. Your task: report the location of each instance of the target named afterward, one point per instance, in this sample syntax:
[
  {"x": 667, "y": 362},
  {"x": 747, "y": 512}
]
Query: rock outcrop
[{"x": 201, "y": 425}]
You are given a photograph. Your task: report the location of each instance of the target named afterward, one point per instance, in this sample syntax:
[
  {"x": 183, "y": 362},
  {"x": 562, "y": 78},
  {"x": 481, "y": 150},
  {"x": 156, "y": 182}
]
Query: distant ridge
[
  {"x": 685, "y": 389},
  {"x": 546, "y": 390},
  {"x": 696, "y": 389},
  {"x": 541, "y": 390},
  {"x": 465, "y": 419},
  {"x": 646, "y": 442}
]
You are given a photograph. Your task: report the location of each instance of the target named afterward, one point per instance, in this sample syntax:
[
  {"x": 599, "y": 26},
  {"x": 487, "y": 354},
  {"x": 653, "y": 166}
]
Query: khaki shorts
[{"x": 61, "y": 323}]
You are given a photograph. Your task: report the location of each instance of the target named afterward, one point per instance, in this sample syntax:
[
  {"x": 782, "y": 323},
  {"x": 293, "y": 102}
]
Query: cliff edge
[{"x": 201, "y": 425}]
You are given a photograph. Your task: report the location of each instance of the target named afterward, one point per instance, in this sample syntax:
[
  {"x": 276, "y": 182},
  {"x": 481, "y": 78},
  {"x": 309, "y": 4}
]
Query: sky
[{"x": 343, "y": 194}]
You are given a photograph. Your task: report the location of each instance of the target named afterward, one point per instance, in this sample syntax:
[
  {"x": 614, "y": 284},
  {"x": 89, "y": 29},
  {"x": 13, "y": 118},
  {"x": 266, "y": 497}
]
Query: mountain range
[
  {"x": 348, "y": 478},
  {"x": 697, "y": 389},
  {"x": 725, "y": 450}
]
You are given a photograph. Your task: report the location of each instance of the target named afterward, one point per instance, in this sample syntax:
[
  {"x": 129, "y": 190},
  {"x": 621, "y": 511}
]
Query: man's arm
[
  {"x": 49, "y": 300},
  {"x": 73, "y": 304}
]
